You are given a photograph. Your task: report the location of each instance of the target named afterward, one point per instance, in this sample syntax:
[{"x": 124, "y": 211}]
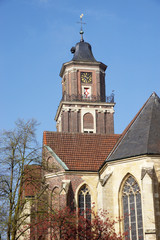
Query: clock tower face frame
[{"x": 86, "y": 77}]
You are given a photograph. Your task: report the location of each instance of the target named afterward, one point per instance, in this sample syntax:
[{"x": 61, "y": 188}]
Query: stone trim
[
  {"x": 65, "y": 173},
  {"x": 65, "y": 186},
  {"x": 146, "y": 170},
  {"x": 150, "y": 231},
  {"x": 56, "y": 157},
  {"x": 105, "y": 179},
  {"x": 68, "y": 66},
  {"x": 106, "y": 106}
]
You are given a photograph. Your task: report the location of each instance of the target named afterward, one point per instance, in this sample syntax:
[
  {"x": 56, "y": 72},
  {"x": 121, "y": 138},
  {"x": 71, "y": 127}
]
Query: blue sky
[{"x": 35, "y": 40}]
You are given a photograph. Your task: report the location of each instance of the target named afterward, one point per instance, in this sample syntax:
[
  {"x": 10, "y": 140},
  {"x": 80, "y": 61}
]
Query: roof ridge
[
  {"x": 156, "y": 97},
  {"x": 136, "y": 116},
  {"x": 149, "y": 131},
  {"x": 57, "y": 158},
  {"x": 81, "y": 133},
  {"x": 129, "y": 126}
]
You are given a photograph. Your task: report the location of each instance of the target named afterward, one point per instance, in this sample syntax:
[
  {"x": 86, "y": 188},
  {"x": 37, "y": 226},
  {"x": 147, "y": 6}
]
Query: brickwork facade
[{"x": 73, "y": 91}]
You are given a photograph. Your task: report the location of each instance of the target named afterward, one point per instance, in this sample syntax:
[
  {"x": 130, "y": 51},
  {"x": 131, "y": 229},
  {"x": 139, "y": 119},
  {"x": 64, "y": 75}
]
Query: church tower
[{"x": 83, "y": 108}]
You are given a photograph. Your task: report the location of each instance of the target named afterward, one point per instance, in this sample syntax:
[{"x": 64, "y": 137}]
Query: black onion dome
[{"x": 83, "y": 52}]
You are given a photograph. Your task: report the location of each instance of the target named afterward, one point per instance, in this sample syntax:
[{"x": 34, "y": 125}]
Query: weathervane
[{"x": 81, "y": 32}]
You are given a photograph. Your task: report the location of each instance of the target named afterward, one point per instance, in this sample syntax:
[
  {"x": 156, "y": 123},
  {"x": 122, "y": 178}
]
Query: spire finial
[{"x": 81, "y": 32}]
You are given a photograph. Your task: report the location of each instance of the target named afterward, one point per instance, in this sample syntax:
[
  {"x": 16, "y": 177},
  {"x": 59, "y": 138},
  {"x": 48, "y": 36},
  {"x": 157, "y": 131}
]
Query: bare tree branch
[{"x": 18, "y": 149}]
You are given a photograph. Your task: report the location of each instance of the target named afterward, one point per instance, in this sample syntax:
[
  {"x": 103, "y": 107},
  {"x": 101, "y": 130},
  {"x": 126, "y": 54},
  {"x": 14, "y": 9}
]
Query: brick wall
[
  {"x": 73, "y": 121},
  {"x": 66, "y": 198},
  {"x": 65, "y": 121},
  {"x": 100, "y": 122},
  {"x": 32, "y": 180},
  {"x": 109, "y": 123}
]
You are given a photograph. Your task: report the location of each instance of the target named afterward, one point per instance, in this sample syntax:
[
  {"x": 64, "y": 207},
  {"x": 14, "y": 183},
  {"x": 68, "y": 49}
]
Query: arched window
[
  {"x": 49, "y": 164},
  {"x": 55, "y": 199},
  {"x": 132, "y": 209},
  {"x": 84, "y": 202},
  {"x": 88, "y": 123}
]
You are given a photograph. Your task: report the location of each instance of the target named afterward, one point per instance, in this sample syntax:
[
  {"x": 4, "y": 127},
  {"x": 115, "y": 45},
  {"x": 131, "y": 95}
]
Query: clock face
[{"x": 86, "y": 77}]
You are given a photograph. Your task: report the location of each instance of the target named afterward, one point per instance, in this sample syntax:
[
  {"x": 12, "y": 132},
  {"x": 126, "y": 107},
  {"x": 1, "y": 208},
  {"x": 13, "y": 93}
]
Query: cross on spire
[{"x": 81, "y": 32}]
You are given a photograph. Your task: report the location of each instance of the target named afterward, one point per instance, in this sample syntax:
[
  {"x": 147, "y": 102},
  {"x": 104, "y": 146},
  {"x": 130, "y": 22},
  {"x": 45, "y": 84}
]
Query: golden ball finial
[{"x": 81, "y": 15}]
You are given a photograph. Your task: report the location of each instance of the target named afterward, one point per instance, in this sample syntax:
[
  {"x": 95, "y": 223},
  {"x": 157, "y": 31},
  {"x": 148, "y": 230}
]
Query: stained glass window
[
  {"x": 132, "y": 210},
  {"x": 84, "y": 202}
]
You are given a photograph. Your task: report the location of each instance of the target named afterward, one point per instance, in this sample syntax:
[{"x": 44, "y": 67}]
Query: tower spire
[{"x": 81, "y": 31}]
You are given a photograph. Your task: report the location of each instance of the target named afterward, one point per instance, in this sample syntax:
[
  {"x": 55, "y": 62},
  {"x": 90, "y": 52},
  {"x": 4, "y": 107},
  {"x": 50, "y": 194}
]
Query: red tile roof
[{"x": 81, "y": 151}]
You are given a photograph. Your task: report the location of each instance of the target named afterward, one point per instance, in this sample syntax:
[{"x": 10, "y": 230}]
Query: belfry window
[
  {"x": 88, "y": 123},
  {"x": 84, "y": 202},
  {"x": 132, "y": 210}
]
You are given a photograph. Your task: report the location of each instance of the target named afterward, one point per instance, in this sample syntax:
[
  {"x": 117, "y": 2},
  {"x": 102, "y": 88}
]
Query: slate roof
[
  {"x": 142, "y": 136},
  {"x": 83, "y": 52},
  {"x": 85, "y": 152}
]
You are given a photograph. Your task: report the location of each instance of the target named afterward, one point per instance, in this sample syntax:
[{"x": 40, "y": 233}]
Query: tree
[
  {"x": 18, "y": 149},
  {"x": 3, "y": 215},
  {"x": 64, "y": 224}
]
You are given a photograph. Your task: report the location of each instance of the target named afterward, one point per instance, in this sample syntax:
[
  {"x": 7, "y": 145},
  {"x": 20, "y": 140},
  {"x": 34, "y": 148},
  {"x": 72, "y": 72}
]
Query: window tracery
[
  {"x": 84, "y": 202},
  {"x": 132, "y": 209}
]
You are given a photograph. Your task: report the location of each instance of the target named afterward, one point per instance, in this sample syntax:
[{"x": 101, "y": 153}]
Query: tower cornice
[
  {"x": 83, "y": 63},
  {"x": 98, "y": 106}
]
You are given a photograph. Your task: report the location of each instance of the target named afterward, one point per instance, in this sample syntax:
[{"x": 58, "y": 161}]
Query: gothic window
[
  {"x": 132, "y": 210},
  {"x": 49, "y": 164},
  {"x": 55, "y": 199},
  {"x": 84, "y": 202}
]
